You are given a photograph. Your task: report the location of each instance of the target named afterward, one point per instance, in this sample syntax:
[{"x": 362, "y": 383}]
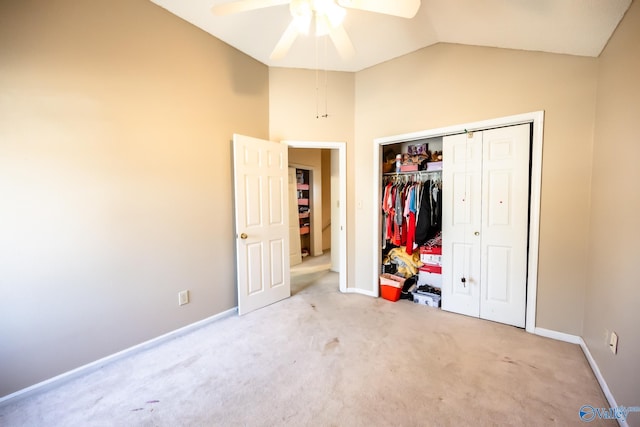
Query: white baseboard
[
  {"x": 575, "y": 339},
  {"x": 560, "y": 336},
  {"x": 600, "y": 378},
  {"x": 93, "y": 366},
  {"x": 360, "y": 291}
]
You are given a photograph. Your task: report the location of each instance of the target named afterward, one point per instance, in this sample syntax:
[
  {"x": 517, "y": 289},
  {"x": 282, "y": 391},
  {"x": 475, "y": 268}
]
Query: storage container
[
  {"x": 431, "y": 255},
  {"x": 434, "y": 166},
  {"x": 432, "y": 300},
  {"x": 391, "y": 286},
  {"x": 390, "y": 293},
  {"x": 430, "y": 275}
]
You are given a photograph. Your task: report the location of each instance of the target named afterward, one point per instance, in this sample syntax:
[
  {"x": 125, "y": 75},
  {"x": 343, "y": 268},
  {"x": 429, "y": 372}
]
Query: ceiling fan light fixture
[
  {"x": 302, "y": 23},
  {"x": 334, "y": 13}
]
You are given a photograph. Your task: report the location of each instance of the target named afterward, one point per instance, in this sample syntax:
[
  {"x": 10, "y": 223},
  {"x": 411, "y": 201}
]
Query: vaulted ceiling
[{"x": 574, "y": 27}]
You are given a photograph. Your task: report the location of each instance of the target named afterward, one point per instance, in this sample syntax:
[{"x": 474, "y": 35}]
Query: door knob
[
  {"x": 243, "y": 236},
  {"x": 477, "y": 233}
]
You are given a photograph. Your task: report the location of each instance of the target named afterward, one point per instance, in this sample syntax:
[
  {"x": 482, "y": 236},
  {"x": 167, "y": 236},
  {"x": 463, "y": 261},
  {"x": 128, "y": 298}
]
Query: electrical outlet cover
[
  {"x": 183, "y": 297},
  {"x": 613, "y": 343}
]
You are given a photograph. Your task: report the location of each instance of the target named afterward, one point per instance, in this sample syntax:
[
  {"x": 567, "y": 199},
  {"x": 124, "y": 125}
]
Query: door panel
[
  {"x": 262, "y": 246},
  {"x": 505, "y": 224},
  {"x": 498, "y": 263},
  {"x": 461, "y": 190},
  {"x": 253, "y": 206},
  {"x": 277, "y": 198},
  {"x": 254, "y": 275}
]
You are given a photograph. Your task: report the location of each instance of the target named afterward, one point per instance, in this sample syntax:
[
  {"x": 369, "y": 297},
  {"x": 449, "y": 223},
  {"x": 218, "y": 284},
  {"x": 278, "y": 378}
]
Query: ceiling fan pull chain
[
  {"x": 317, "y": 81},
  {"x": 326, "y": 79}
]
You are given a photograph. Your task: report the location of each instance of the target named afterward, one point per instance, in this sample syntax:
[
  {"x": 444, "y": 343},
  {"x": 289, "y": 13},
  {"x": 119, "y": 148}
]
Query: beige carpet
[{"x": 321, "y": 358}]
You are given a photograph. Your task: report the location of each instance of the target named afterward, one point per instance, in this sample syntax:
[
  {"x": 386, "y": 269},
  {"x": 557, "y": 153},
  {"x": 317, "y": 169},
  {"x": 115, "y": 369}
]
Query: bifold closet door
[
  {"x": 485, "y": 224},
  {"x": 461, "y": 223},
  {"x": 505, "y": 224}
]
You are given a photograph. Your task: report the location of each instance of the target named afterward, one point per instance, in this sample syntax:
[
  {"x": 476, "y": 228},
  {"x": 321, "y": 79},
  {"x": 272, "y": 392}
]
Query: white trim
[
  {"x": 342, "y": 160},
  {"x": 575, "y": 339},
  {"x": 100, "y": 363},
  {"x": 534, "y": 219},
  {"x": 601, "y": 380},
  {"x": 362, "y": 292},
  {"x": 537, "y": 118},
  {"x": 559, "y": 336}
]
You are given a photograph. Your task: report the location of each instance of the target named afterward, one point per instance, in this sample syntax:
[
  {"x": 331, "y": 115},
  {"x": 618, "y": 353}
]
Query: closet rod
[{"x": 412, "y": 173}]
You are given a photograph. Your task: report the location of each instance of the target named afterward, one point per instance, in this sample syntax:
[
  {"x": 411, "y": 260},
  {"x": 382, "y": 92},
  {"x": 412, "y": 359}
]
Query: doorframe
[
  {"x": 342, "y": 197},
  {"x": 537, "y": 119}
]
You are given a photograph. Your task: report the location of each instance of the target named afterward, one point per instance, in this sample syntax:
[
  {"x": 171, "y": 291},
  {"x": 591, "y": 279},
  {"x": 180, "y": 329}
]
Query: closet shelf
[{"x": 413, "y": 172}]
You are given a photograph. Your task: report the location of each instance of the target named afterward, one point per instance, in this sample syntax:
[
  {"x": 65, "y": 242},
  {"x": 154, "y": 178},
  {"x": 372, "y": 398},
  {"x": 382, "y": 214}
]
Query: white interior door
[
  {"x": 485, "y": 224},
  {"x": 262, "y": 242},
  {"x": 461, "y": 222},
  {"x": 505, "y": 220},
  {"x": 295, "y": 256}
]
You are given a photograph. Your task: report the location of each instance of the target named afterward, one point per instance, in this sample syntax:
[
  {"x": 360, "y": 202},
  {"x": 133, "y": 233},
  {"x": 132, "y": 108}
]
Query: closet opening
[{"x": 487, "y": 280}]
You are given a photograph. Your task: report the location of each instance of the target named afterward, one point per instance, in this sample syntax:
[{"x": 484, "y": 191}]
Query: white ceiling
[{"x": 575, "y": 27}]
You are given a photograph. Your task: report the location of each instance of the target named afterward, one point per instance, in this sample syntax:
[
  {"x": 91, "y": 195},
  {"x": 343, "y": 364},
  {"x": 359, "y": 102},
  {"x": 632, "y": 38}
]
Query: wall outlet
[
  {"x": 613, "y": 343},
  {"x": 183, "y": 297}
]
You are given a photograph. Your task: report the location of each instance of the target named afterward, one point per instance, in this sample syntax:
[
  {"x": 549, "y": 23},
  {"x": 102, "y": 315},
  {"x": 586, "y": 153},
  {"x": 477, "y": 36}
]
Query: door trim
[
  {"x": 537, "y": 119},
  {"x": 342, "y": 197}
]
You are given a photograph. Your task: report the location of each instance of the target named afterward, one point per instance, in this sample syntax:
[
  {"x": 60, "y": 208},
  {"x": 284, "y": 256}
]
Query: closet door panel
[
  {"x": 504, "y": 230},
  {"x": 461, "y": 220}
]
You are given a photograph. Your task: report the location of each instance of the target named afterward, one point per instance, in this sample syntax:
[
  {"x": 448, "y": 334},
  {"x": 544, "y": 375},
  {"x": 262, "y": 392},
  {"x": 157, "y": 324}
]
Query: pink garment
[{"x": 411, "y": 232}]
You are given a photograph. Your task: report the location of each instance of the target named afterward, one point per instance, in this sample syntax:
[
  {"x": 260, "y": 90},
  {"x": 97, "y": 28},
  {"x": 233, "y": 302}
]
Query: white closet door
[
  {"x": 461, "y": 210},
  {"x": 485, "y": 193},
  {"x": 505, "y": 219}
]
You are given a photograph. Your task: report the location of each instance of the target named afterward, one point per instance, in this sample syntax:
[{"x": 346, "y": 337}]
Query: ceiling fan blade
[
  {"x": 341, "y": 40},
  {"x": 244, "y": 5},
  {"x": 401, "y": 8},
  {"x": 286, "y": 41}
]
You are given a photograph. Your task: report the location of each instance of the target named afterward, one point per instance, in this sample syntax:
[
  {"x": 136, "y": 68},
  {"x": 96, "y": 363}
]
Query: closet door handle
[
  {"x": 477, "y": 233},
  {"x": 243, "y": 236}
]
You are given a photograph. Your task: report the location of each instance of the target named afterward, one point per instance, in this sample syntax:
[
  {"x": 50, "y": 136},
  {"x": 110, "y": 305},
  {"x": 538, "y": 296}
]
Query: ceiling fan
[{"x": 327, "y": 16}]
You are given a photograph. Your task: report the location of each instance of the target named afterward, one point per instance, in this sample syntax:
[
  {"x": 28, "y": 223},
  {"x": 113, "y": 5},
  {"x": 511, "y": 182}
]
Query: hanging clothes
[
  {"x": 430, "y": 216},
  {"x": 411, "y": 211}
]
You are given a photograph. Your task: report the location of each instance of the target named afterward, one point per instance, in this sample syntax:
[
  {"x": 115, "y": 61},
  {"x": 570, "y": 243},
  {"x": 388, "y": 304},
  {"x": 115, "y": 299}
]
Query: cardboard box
[
  {"x": 387, "y": 279},
  {"x": 408, "y": 168}
]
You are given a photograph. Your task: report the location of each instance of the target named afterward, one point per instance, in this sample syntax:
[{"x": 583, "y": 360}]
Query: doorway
[
  {"x": 537, "y": 121},
  {"x": 338, "y": 205}
]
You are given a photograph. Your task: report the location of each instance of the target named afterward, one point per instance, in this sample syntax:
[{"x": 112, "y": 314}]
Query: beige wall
[
  {"x": 452, "y": 84},
  {"x": 613, "y": 291},
  {"x": 115, "y": 178}
]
